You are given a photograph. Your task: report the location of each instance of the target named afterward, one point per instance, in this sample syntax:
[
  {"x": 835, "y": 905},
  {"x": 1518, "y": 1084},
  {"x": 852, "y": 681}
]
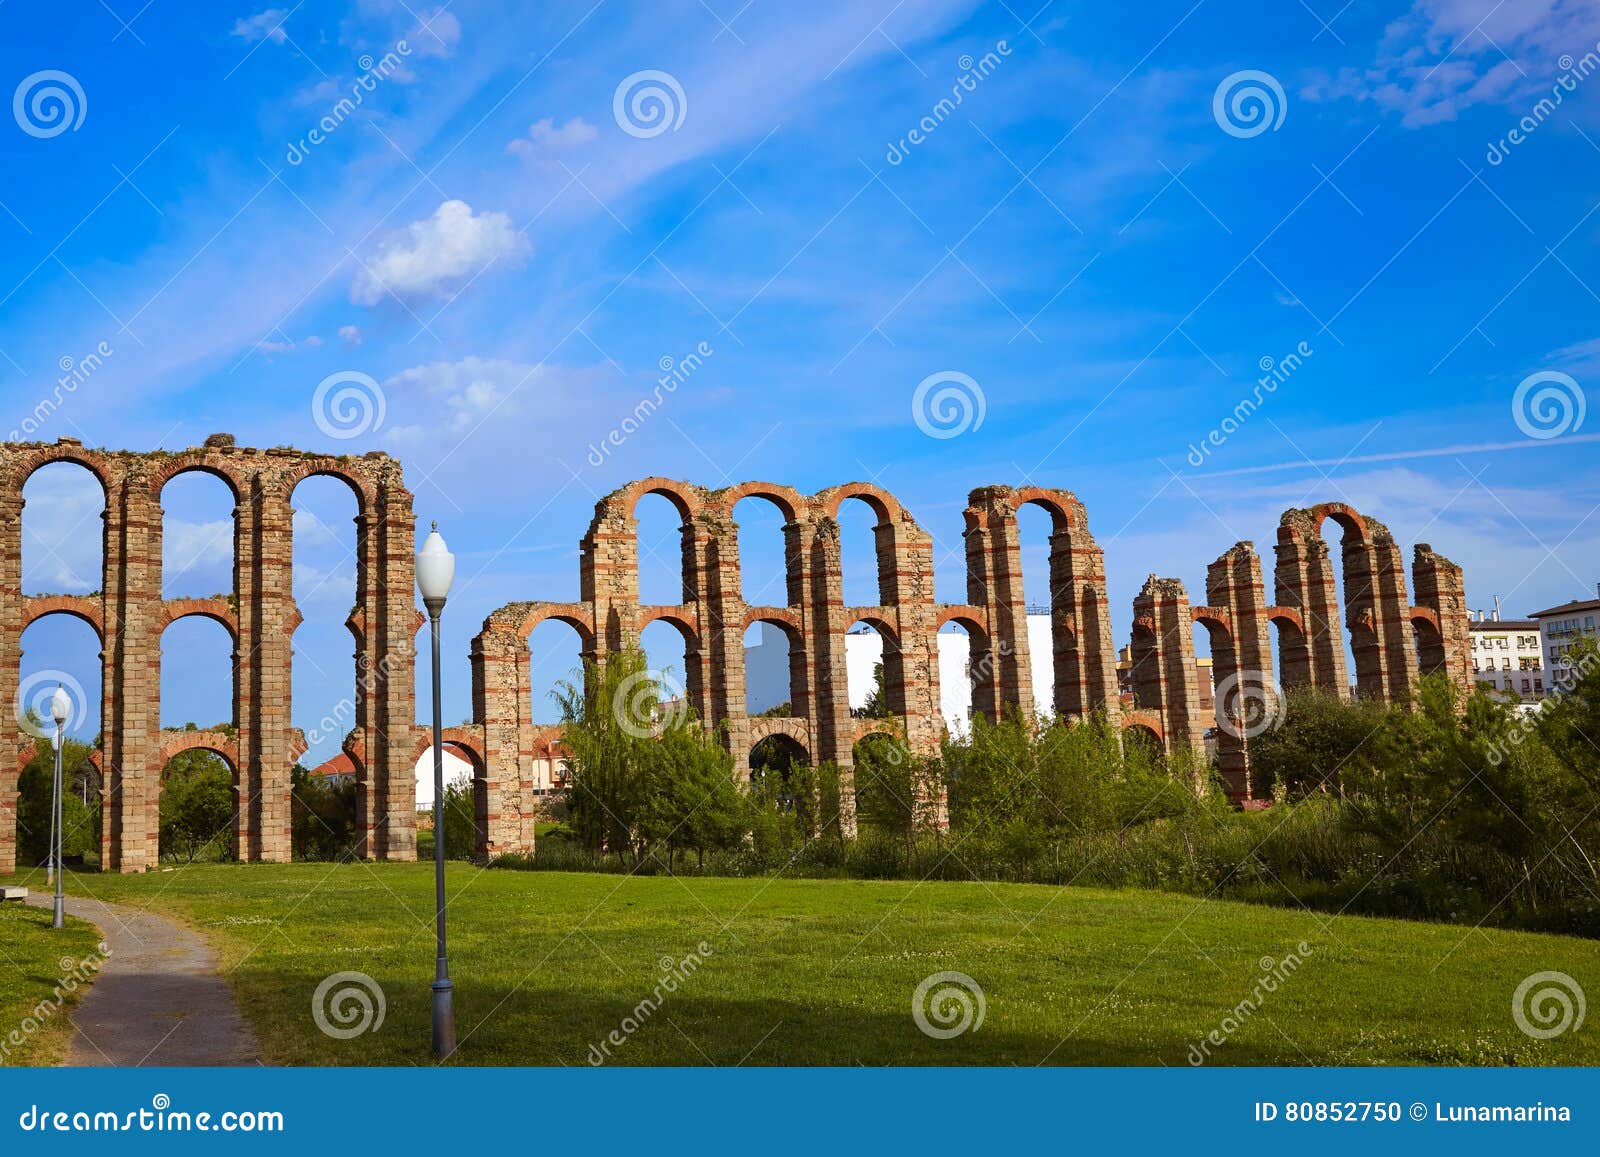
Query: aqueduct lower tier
[
  {"x": 128, "y": 614},
  {"x": 1392, "y": 641}
]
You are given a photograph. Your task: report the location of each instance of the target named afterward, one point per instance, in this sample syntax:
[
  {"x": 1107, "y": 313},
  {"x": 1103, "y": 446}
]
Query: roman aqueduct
[{"x": 1393, "y": 640}]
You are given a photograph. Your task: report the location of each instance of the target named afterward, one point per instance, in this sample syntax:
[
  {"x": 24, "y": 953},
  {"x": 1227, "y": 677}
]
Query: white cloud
[
  {"x": 196, "y": 552},
  {"x": 266, "y": 25},
  {"x": 545, "y": 136},
  {"x": 437, "y": 252},
  {"x": 437, "y": 33},
  {"x": 1444, "y": 56},
  {"x": 288, "y": 345},
  {"x": 350, "y": 334},
  {"x": 465, "y": 392}
]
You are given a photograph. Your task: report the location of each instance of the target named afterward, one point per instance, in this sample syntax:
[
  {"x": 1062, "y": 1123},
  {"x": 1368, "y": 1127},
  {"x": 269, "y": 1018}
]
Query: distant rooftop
[
  {"x": 1504, "y": 625},
  {"x": 1568, "y": 608}
]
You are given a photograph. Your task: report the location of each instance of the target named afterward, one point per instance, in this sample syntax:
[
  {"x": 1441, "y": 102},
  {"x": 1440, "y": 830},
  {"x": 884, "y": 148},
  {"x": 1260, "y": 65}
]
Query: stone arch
[
  {"x": 681, "y": 617},
  {"x": 27, "y": 465},
  {"x": 575, "y": 616},
  {"x": 1349, "y": 519},
  {"x": 196, "y": 462},
  {"x": 216, "y": 742},
  {"x": 978, "y": 677},
  {"x": 799, "y": 661},
  {"x": 686, "y": 498},
  {"x": 217, "y": 610},
  {"x": 1051, "y": 502},
  {"x": 363, "y": 490},
  {"x": 885, "y": 505},
  {"x": 790, "y": 502},
  {"x": 87, "y": 610}
]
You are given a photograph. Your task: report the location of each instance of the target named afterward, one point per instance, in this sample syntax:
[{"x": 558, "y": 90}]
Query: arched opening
[
  {"x": 1035, "y": 525},
  {"x": 63, "y": 530},
  {"x": 199, "y": 807},
  {"x": 665, "y": 652},
  {"x": 1140, "y": 739},
  {"x": 325, "y": 810},
  {"x": 957, "y": 694},
  {"x": 773, "y": 670},
  {"x": 860, "y": 566},
  {"x": 59, "y": 650},
  {"x": 874, "y": 671},
  {"x": 1342, "y": 539},
  {"x": 197, "y": 536},
  {"x": 763, "y": 553},
  {"x": 775, "y": 762},
  {"x": 197, "y": 675},
  {"x": 555, "y": 659},
  {"x": 660, "y": 542},
  {"x": 466, "y": 804},
  {"x": 885, "y": 796},
  {"x": 324, "y": 696}
]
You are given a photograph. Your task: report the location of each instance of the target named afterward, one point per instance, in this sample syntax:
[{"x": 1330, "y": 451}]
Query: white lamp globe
[
  {"x": 60, "y": 706},
  {"x": 436, "y": 567}
]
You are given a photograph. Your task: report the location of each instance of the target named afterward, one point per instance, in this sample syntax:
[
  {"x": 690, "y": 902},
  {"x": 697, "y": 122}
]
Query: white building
[
  {"x": 1507, "y": 658},
  {"x": 1561, "y": 627},
  {"x": 767, "y": 669}
]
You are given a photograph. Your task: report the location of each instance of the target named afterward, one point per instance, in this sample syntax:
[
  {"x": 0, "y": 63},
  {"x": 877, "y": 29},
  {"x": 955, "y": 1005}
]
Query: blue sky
[{"x": 1106, "y": 253}]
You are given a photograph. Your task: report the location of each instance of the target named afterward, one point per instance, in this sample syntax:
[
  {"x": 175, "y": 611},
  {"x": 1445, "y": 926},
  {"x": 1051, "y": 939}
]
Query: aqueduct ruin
[{"x": 1392, "y": 640}]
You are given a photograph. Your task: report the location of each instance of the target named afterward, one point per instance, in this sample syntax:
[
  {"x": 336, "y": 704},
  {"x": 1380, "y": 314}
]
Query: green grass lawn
[
  {"x": 34, "y": 959},
  {"x": 822, "y": 971}
]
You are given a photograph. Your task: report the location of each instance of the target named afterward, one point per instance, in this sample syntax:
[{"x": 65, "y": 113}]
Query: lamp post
[
  {"x": 436, "y": 568},
  {"x": 60, "y": 711}
]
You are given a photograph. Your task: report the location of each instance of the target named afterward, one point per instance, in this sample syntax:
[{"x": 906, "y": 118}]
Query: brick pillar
[
  {"x": 1392, "y": 613},
  {"x": 721, "y": 691},
  {"x": 610, "y": 576},
  {"x": 1440, "y": 589},
  {"x": 500, "y": 705},
  {"x": 905, "y": 579},
  {"x": 1080, "y": 620},
  {"x": 1241, "y": 656},
  {"x": 389, "y": 655},
  {"x": 997, "y": 586},
  {"x": 705, "y": 557},
  {"x": 133, "y": 630},
  {"x": 11, "y": 612},
  {"x": 825, "y": 623},
  {"x": 268, "y": 617},
  {"x": 1163, "y": 663},
  {"x": 1303, "y": 579}
]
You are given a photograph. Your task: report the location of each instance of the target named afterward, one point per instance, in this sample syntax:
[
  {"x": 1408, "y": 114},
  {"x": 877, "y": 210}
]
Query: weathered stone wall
[
  {"x": 713, "y": 617},
  {"x": 1393, "y": 642},
  {"x": 129, "y": 615}
]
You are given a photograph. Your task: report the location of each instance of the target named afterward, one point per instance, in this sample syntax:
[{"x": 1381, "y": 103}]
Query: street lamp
[
  {"x": 60, "y": 711},
  {"x": 436, "y": 568}
]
